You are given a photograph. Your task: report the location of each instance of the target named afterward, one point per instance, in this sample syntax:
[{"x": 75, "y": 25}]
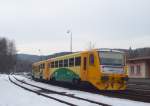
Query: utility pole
[
  {"x": 69, "y": 32},
  {"x": 91, "y": 46},
  {"x": 40, "y": 55}
]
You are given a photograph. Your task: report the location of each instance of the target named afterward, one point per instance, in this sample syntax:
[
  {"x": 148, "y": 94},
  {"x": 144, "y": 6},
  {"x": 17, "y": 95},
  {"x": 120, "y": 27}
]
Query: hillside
[
  {"x": 140, "y": 52},
  {"x": 24, "y": 61},
  {"x": 131, "y": 53},
  {"x": 35, "y": 58},
  {"x": 31, "y": 58}
]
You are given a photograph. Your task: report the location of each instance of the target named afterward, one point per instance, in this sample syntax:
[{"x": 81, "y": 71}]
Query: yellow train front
[{"x": 104, "y": 69}]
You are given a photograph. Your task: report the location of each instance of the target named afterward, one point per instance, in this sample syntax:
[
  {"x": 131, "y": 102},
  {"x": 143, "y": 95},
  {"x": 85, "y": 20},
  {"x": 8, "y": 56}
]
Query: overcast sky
[{"x": 42, "y": 24}]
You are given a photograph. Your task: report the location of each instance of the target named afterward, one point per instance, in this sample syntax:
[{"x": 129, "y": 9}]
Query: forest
[{"x": 7, "y": 55}]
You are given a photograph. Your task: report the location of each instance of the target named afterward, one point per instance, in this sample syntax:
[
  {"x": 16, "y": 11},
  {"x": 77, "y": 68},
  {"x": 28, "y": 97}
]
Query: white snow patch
[
  {"x": 12, "y": 95},
  {"x": 91, "y": 96}
]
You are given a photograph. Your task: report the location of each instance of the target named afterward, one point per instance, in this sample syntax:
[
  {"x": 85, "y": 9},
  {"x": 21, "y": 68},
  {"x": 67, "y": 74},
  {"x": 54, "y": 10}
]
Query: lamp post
[{"x": 69, "y": 32}]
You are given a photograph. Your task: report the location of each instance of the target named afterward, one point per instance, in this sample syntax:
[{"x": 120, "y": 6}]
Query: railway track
[
  {"x": 45, "y": 92},
  {"x": 131, "y": 93},
  {"x": 137, "y": 95},
  {"x": 140, "y": 89},
  {"x": 143, "y": 87}
]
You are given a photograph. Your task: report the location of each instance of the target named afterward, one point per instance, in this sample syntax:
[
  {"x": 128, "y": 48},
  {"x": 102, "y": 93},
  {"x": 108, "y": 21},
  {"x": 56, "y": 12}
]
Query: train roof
[
  {"x": 39, "y": 62},
  {"x": 110, "y": 50},
  {"x": 67, "y": 55},
  {"x": 78, "y": 53}
]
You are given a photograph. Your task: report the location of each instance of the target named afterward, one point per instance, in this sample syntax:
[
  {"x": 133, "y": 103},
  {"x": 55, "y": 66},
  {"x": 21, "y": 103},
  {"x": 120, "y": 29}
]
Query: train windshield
[{"x": 111, "y": 58}]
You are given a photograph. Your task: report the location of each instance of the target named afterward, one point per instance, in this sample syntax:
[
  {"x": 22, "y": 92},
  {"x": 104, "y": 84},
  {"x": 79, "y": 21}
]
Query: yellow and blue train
[{"x": 104, "y": 69}]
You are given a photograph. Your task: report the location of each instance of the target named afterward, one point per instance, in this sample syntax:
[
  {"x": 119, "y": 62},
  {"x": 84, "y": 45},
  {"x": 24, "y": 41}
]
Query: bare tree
[{"x": 7, "y": 55}]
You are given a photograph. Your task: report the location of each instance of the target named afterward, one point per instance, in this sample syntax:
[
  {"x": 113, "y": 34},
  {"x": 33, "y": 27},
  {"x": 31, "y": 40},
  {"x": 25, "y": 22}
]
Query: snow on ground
[
  {"x": 60, "y": 97},
  {"x": 12, "y": 95},
  {"x": 96, "y": 97}
]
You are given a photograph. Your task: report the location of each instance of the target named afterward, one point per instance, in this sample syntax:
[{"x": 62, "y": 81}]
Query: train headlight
[{"x": 125, "y": 78}]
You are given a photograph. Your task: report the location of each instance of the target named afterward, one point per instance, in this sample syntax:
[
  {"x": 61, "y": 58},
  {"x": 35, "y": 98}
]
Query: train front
[{"x": 113, "y": 70}]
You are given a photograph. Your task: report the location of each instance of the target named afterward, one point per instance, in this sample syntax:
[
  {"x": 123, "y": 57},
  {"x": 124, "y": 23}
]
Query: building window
[
  {"x": 71, "y": 62},
  {"x": 66, "y": 63},
  {"x": 138, "y": 69},
  {"x": 132, "y": 69},
  {"x": 77, "y": 61}
]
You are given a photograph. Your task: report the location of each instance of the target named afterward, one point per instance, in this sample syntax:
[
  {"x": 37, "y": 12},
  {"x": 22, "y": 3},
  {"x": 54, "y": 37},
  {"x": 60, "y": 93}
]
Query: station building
[{"x": 139, "y": 67}]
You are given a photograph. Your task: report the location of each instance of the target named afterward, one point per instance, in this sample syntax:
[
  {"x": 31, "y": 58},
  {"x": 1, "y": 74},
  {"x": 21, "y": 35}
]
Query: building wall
[
  {"x": 148, "y": 69},
  {"x": 137, "y": 70}
]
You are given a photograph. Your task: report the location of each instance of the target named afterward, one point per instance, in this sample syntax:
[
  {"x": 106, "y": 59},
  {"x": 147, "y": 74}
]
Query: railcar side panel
[{"x": 83, "y": 66}]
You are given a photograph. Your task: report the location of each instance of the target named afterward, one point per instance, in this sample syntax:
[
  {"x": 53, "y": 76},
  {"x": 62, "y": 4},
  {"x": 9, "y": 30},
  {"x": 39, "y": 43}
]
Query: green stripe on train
[{"x": 64, "y": 74}]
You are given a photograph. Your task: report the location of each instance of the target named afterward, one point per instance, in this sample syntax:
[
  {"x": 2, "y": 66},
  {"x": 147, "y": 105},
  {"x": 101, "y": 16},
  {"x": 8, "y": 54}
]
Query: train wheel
[
  {"x": 33, "y": 77},
  {"x": 53, "y": 79}
]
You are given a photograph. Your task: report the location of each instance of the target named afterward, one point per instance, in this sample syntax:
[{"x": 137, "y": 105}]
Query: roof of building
[{"x": 140, "y": 58}]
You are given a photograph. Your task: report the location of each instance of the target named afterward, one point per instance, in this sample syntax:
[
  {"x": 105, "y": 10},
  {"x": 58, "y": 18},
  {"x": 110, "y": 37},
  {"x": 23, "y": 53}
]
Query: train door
[
  {"x": 46, "y": 70},
  {"x": 84, "y": 66}
]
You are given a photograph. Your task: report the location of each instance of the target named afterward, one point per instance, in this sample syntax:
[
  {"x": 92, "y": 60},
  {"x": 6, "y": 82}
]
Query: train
[{"x": 104, "y": 69}]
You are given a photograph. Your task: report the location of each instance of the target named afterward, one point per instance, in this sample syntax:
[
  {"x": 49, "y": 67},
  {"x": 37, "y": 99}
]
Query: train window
[
  {"x": 56, "y": 64},
  {"x": 60, "y": 63},
  {"x": 52, "y": 64},
  {"x": 91, "y": 59},
  {"x": 49, "y": 65},
  {"x": 39, "y": 67},
  {"x": 71, "y": 62},
  {"x": 77, "y": 61},
  {"x": 66, "y": 63},
  {"x": 85, "y": 63},
  {"x": 43, "y": 66}
]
